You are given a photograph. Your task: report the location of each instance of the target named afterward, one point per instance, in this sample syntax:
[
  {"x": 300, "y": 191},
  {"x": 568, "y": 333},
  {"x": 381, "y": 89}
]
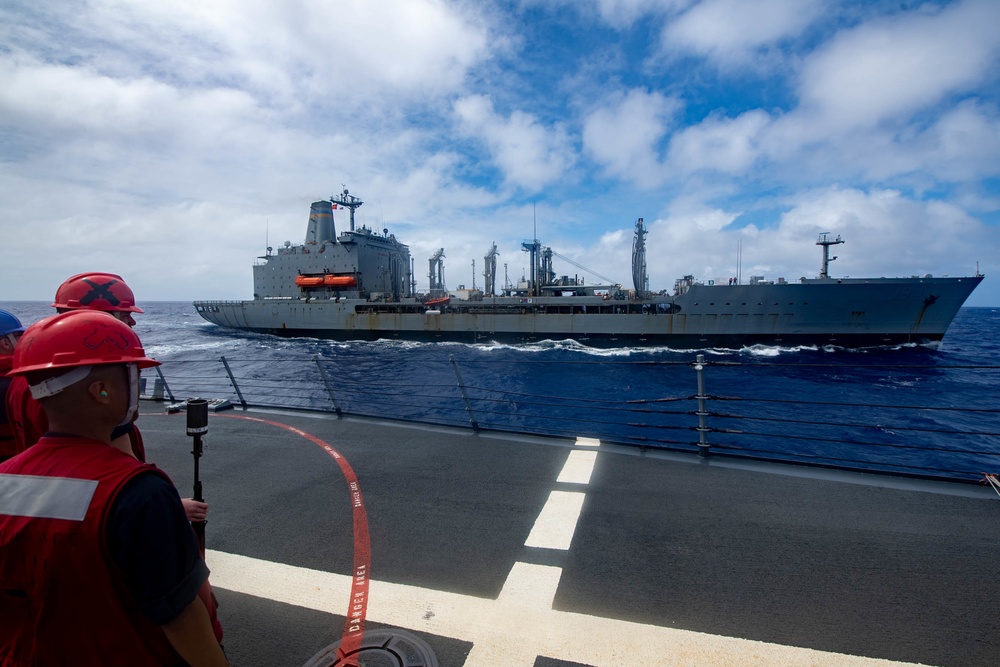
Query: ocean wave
[
  {"x": 158, "y": 350},
  {"x": 777, "y": 350}
]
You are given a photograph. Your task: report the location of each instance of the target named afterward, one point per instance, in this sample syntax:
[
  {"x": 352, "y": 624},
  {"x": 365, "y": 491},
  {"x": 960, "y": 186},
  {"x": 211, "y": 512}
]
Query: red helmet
[
  {"x": 78, "y": 338},
  {"x": 96, "y": 291}
]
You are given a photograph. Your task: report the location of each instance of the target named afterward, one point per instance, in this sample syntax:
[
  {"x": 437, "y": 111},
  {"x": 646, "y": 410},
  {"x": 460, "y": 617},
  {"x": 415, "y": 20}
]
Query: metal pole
[
  {"x": 703, "y": 446},
  {"x": 232, "y": 379},
  {"x": 197, "y": 426},
  {"x": 326, "y": 383},
  {"x": 461, "y": 386}
]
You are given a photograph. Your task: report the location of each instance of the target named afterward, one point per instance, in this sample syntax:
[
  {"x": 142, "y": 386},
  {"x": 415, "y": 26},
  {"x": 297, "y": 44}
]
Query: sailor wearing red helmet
[
  {"x": 10, "y": 331},
  {"x": 100, "y": 565},
  {"x": 95, "y": 290}
]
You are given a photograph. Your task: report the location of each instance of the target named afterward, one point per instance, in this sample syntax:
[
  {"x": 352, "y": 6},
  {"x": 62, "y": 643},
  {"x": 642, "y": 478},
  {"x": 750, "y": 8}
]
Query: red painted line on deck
[{"x": 357, "y": 608}]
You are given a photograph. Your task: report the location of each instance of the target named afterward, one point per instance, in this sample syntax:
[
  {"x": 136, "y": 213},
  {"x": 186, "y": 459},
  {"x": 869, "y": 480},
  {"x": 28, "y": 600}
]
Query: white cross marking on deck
[
  {"x": 578, "y": 468},
  {"x": 512, "y": 631},
  {"x": 556, "y": 523},
  {"x": 520, "y": 625}
]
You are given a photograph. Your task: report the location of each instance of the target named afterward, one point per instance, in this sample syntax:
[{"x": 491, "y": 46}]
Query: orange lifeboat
[
  {"x": 339, "y": 281},
  {"x": 308, "y": 281}
]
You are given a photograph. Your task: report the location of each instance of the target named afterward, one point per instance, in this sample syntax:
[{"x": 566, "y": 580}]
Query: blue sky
[{"x": 168, "y": 141}]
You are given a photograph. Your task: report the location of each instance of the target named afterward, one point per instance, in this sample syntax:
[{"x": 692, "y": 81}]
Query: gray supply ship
[{"x": 361, "y": 285}]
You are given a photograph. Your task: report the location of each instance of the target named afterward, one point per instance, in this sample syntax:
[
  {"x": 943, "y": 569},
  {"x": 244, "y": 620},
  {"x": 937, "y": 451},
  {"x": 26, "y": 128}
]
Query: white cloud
[
  {"x": 530, "y": 155},
  {"x": 866, "y": 111},
  {"x": 728, "y": 30},
  {"x": 885, "y": 234},
  {"x": 889, "y": 234},
  {"x": 181, "y": 131},
  {"x": 728, "y": 145},
  {"x": 54, "y": 98},
  {"x": 959, "y": 146},
  {"x": 964, "y": 143},
  {"x": 890, "y": 67},
  {"x": 291, "y": 56},
  {"x": 208, "y": 99},
  {"x": 624, "y": 134}
]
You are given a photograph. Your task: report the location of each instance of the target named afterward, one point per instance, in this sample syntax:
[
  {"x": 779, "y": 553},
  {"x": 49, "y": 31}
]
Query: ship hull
[{"x": 847, "y": 313}]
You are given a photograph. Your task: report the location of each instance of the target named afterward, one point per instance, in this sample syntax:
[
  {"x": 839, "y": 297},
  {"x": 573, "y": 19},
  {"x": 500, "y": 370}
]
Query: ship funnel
[{"x": 321, "y": 228}]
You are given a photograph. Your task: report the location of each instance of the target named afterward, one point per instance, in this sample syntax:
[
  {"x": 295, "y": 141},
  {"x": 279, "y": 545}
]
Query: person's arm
[{"x": 190, "y": 633}]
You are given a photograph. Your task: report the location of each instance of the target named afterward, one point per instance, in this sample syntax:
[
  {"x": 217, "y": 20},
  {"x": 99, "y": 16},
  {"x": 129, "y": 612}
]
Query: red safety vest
[
  {"x": 28, "y": 420},
  {"x": 63, "y": 599}
]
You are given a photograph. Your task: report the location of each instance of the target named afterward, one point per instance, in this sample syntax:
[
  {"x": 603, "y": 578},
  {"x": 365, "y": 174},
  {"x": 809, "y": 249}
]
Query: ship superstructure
[
  {"x": 360, "y": 284},
  {"x": 357, "y": 264}
]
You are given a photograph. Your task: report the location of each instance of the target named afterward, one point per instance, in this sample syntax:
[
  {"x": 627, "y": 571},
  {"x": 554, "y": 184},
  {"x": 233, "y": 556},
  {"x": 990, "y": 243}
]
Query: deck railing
[{"x": 713, "y": 408}]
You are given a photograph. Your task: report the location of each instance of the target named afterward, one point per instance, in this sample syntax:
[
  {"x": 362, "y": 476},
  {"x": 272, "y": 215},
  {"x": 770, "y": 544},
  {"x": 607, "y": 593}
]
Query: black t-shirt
[{"x": 150, "y": 538}]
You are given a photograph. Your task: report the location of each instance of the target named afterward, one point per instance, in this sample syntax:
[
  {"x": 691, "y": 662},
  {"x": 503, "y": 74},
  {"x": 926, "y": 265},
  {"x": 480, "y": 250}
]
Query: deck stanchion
[
  {"x": 703, "y": 446},
  {"x": 326, "y": 383},
  {"x": 465, "y": 398},
  {"x": 232, "y": 380},
  {"x": 166, "y": 386}
]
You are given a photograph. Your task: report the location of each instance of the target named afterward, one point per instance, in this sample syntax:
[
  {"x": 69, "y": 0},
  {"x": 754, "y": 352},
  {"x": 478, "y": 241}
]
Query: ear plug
[{"x": 104, "y": 393}]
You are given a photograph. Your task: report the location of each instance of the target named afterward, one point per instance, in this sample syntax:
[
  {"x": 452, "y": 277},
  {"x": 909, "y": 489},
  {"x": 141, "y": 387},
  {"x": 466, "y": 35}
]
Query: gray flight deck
[{"x": 672, "y": 561}]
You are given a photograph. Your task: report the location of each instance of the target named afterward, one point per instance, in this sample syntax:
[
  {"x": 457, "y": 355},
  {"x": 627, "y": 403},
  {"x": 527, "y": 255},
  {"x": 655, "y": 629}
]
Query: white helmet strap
[
  {"x": 54, "y": 385},
  {"x": 133, "y": 394}
]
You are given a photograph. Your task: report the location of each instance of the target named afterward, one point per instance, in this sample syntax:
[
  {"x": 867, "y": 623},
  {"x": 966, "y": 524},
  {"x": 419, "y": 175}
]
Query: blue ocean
[{"x": 909, "y": 410}]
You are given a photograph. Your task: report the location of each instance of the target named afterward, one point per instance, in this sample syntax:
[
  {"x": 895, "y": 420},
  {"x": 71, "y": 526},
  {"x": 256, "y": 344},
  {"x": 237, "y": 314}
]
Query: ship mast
[
  {"x": 347, "y": 200},
  {"x": 436, "y": 273},
  {"x": 490, "y": 271},
  {"x": 639, "y": 277},
  {"x": 826, "y": 242},
  {"x": 534, "y": 255},
  {"x": 533, "y": 249}
]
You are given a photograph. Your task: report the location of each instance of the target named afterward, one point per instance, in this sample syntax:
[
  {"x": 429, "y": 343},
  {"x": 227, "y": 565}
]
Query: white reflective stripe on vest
[{"x": 46, "y": 497}]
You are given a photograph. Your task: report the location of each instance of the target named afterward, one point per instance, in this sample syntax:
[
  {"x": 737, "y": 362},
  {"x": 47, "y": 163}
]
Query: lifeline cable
[
  {"x": 357, "y": 608},
  {"x": 993, "y": 481}
]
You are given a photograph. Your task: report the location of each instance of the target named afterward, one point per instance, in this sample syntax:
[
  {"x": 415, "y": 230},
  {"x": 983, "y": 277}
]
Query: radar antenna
[
  {"x": 826, "y": 242},
  {"x": 347, "y": 200}
]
